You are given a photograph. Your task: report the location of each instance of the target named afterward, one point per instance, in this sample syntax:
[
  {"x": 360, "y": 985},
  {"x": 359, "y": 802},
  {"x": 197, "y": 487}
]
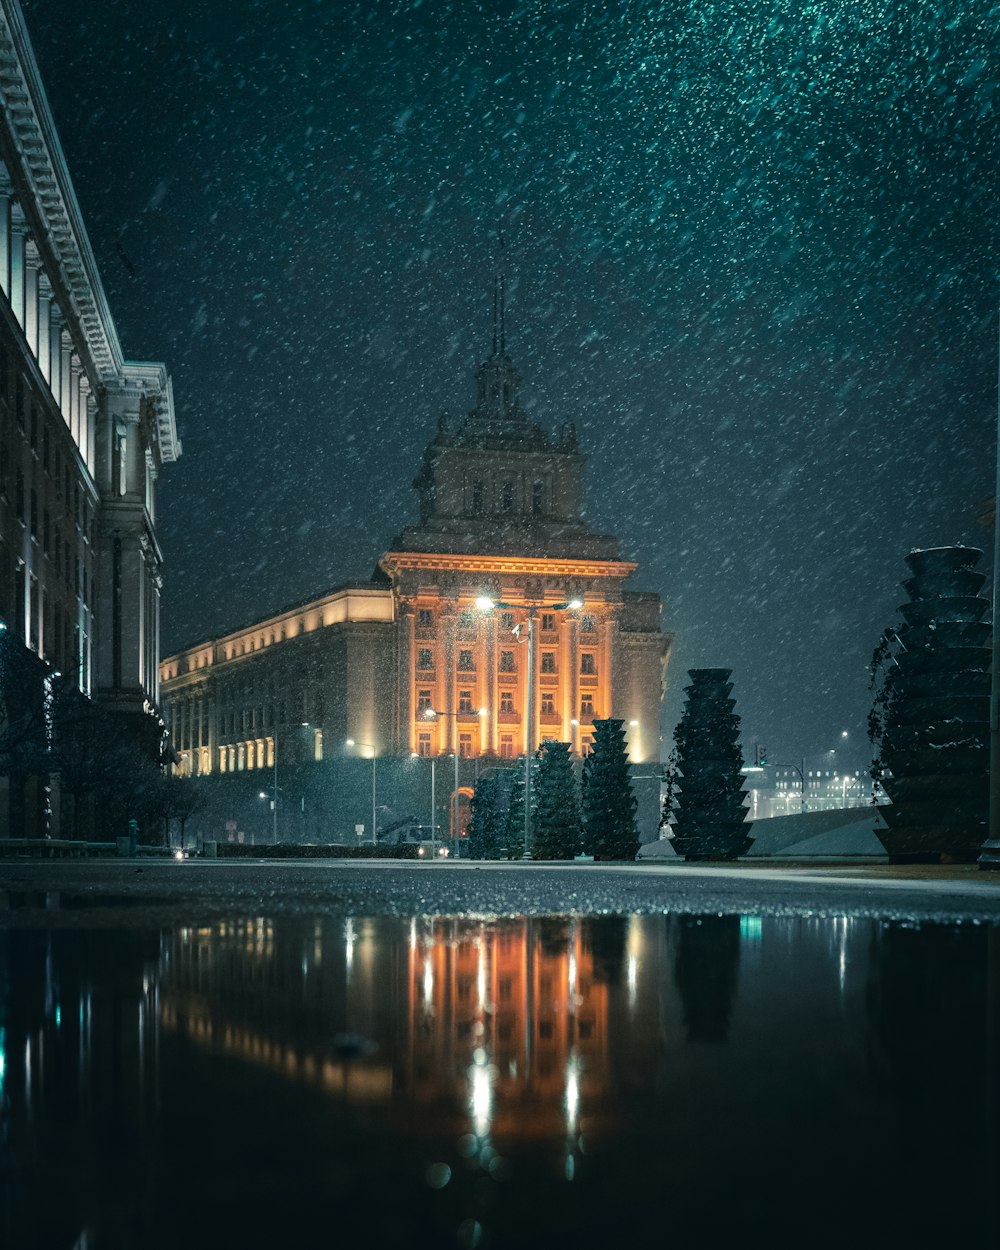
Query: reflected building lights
[
  {"x": 572, "y": 1100},
  {"x": 349, "y": 940},
  {"x": 480, "y": 1080}
]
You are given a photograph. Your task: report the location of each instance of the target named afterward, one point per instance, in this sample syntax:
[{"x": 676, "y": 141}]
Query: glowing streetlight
[
  {"x": 368, "y": 747},
  {"x": 486, "y": 604}
]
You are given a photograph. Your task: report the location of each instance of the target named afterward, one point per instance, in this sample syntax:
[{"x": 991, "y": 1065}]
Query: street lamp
[
  {"x": 274, "y": 788},
  {"x": 414, "y": 755},
  {"x": 485, "y": 604},
  {"x": 368, "y": 747},
  {"x": 431, "y": 713}
]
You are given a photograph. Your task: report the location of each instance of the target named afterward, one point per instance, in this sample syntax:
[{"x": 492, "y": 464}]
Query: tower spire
[{"x": 500, "y": 300}]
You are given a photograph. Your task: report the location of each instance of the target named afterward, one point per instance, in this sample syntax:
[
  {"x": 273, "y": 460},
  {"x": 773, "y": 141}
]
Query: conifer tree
[
  {"x": 608, "y": 805},
  {"x": 514, "y": 823},
  {"x": 489, "y": 818},
  {"x": 555, "y": 820},
  {"x": 710, "y": 813}
]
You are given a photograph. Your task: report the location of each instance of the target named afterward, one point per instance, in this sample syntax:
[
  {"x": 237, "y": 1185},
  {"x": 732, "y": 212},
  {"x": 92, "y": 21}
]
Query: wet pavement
[
  {"x": 165, "y": 889},
  {"x": 469, "y": 1056}
]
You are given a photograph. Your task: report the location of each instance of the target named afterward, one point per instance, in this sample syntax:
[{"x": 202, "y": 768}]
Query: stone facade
[{"x": 83, "y": 435}]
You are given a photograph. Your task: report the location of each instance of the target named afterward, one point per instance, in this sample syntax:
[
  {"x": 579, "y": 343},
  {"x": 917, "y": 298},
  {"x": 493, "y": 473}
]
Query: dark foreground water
[{"x": 369, "y": 1082}]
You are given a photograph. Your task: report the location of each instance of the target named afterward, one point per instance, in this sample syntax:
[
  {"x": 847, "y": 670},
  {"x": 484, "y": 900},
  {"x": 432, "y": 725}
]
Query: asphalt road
[{"x": 109, "y": 893}]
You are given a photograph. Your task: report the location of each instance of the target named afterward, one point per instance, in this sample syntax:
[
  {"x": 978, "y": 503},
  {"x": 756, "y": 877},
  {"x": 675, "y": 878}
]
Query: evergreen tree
[
  {"x": 514, "y": 823},
  {"x": 608, "y": 805},
  {"x": 711, "y": 810},
  {"x": 487, "y": 826},
  {"x": 555, "y": 818}
]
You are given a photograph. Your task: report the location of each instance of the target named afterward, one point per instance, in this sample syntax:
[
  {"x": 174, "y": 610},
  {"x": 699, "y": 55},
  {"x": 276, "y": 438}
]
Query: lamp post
[
  {"x": 415, "y": 756},
  {"x": 274, "y": 789},
  {"x": 486, "y": 604},
  {"x": 432, "y": 714},
  {"x": 368, "y": 747}
]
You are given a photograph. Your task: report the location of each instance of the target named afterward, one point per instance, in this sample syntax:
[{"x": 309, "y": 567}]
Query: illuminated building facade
[
  {"x": 500, "y": 516},
  {"x": 83, "y": 434}
]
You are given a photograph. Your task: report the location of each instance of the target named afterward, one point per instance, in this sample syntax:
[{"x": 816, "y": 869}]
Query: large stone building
[
  {"x": 83, "y": 433},
  {"x": 366, "y": 664}
]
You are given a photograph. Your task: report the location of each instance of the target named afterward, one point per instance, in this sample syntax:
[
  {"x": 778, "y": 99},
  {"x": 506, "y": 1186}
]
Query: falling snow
[{"x": 752, "y": 253}]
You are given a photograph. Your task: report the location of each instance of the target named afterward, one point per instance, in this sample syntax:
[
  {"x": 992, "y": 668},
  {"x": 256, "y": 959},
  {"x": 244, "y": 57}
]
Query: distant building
[
  {"x": 500, "y": 516},
  {"x": 778, "y": 791},
  {"x": 83, "y": 435}
]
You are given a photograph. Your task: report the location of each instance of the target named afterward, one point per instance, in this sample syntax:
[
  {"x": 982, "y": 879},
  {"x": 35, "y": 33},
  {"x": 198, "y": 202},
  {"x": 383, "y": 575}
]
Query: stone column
[
  {"x": 6, "y": 200},
  {"x": 492, "y": 698},
  {"x": 92, "y": 435},
  {"x": 407, "y": 673},
  {"x": 18, "y": 239},
  {"x": 66, "y": 351},
  {"x": 44, "y": 322},
  {"x": 31, "y": 273},
  {"x": 449, "y": 626},
  {"x": 56, "y": 327}
]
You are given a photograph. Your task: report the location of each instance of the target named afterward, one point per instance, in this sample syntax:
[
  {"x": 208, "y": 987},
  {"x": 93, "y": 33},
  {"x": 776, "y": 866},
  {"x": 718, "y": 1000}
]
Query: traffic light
[{"x": 761, "y": 756}]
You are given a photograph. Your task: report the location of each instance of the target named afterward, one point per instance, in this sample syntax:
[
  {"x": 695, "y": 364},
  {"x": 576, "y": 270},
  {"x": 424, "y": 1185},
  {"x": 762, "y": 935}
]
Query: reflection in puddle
[{"x": 517, "y": 1082}]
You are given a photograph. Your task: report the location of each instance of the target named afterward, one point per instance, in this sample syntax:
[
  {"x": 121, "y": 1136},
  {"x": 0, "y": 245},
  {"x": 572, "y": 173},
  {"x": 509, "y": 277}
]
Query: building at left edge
[{"x": 83, "y": 435}]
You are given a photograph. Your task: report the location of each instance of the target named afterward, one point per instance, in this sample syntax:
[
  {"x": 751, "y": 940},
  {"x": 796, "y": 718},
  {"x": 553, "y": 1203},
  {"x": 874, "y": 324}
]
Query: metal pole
[
  {"x": 531, "y": 733},
  {"x": 274, "y": 805},
  {"x": 990, "y": 857},
  {"x": 374, "y": 839},
  {"x": 454, "y": 827},
  {"x": 433, "y": 818},
  {"x": 802, "y": 784}
]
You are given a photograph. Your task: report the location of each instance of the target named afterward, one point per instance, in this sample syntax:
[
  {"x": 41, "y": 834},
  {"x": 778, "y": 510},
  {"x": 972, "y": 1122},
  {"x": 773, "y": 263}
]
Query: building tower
[{"x": 500, "y": 516}]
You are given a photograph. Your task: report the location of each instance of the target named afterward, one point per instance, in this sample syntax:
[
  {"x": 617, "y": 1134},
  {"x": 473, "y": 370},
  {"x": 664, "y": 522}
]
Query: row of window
[
  {"x": 191, "y": 728},
  {"x": 466, "y": 706},
  {"x": 469, "y": 617},
  {"x": 465, "y": 746},
  {"x": 547, "y": 661}
]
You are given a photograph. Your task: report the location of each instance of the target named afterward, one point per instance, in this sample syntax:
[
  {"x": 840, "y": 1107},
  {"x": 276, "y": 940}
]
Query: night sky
[{"x": 753, "y": 255}]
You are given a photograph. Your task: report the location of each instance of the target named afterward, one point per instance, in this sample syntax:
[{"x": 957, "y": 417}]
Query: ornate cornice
[
  {"x": 46, "y": 193},
  {"x": 41, "y": 182},
  {"x": 398, "y": 561}
]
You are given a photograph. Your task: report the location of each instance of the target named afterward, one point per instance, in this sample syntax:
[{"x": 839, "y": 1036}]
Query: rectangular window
[
  {"x": 465, "y": 664},
  {"x": 587, "y": 624},
  {"x": 425, "y": 658},
  {"x": 465, "y": 746},
  {"x": 506, "y": 747},
  {"x": 548, "y": 661},
  {"x": 465, "y": 701},
  {"x": 507, "y": 497},
  {"x": 423, "y": 744},
  {"x": 507, "y": 664},
  {"x": 587, "y": 664},
  {"x": 537, "y": 498},
  {"x": 466, "y": 619},
  {"x": 424, "y": 702},
  {"x": 587, "y": 709},
  {"x": 506, "y": 620},
  {"x": 506, "y": 703},
  {"x": 477, "y": 496},
  {"x": 425, "y": 618},
  {"x": 548, "y": 703},
  {"x": 548, "y": 620}
]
